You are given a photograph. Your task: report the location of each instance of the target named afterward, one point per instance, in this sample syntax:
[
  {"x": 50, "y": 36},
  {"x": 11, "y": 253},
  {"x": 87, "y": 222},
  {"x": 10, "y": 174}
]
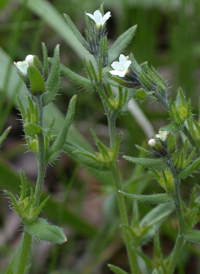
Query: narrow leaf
[
  {"x": 186, "y": 172},
  {"x": 116, "y": 269},
  {"x": 23, "y": 186},
  {"x": 45, "y": 61},
  {"x": 121, "y": 43},
  {"x": 81, "y": 81},
  {"x": 153, "y": 199},
  {"x": 76, "y": 32},
  {"x": 52, "y": 82},
  {"x": 4, "y": 135},
  {"x": 57, "y": 146},
  {"x": 147, "y": 162},
  {"x": 192, "y": 236}
]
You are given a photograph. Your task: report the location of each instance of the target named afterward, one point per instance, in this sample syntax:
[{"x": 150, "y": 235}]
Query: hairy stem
[
  {"x": 41, "y": 155},
  {"x": 124, "y": 220},
  {"x": 26, "y": 245},
  {"x": 180, "y": 240}
]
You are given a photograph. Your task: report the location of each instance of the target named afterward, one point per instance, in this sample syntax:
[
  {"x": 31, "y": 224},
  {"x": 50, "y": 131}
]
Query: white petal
[
  {"x": 127, "y": 65},
  {"x": 105, "y": 17},
  {"x": 97, "y": 16},
  {"x": 117, "y": 66},
  {"x": 122, "y": 73},
  {"x": 22, "y": 66},
  {"x": 114, "y": 72},
  {"x": 30, "y": 58},
  {"x": 91, "y": 16},
  {"x": 122, "y": 59}
]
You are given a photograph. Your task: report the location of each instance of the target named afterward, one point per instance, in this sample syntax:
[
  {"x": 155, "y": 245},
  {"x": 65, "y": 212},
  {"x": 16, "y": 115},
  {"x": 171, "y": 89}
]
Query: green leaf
[
  {"x": 32, "y": 129},
  {"x": 192, "y": 236},
  {"x": 58, "y": 144},
  {"x": 121, "y": 43},
  {"x": 53, "y": 79},
  {"x": 4, "y": 135},
  {"x": 81, "y": 81},
  {"x": 116, "y": 269},
  {"x": 76, "y": 32},
  {"x": 11, "y": 179},
  {"x": 155, "y": 218},
  {"x": 186, "y": 172},
  {"x": 147, "y": 162},
  {"x": 171, "y": 128},
  {"x": 80, "y": 155},
  {"x": 45, "y": 61},
  {"x": 153, "y": 199},
  {"x": 43, "y": 231},
  {"x": 37, "y": 83},
  {"x": 13, "y": 199}
]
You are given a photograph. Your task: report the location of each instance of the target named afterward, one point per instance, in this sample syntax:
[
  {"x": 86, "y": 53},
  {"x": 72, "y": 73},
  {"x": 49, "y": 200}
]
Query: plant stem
[
  {"x": 124, "y": 220},
  {"x": 175, "y": 254},
  {"x": 41, "y": 155},
  {"x": 180, "y": 240},
  {"x": 26, "y": 244},
  {"x": 112, "y": 129}
]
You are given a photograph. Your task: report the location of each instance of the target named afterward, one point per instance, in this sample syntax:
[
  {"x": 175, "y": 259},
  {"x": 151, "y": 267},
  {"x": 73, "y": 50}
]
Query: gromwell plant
[{"x": 116, "y": 82}]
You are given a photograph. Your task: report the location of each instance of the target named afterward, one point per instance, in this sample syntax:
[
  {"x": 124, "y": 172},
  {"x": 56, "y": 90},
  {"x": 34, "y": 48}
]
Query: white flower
[
  {"x": 98, "y": 18},
  {"x": 121, "y": 67},
  {"x": 152, "y": 142},
  {"x": 30, "y": 58},
  {"x": 22, "y": 66}
]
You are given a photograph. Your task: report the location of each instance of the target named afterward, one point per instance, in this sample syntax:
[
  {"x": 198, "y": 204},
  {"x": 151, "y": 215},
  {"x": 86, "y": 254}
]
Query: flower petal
[
  {"x": 22, "y": 66},
  {"x": 97, "y": 16},
  {"x": 105, "y": 17},
  {"x": 117, "y": 66},
  {"x": 91, "y": 16}
]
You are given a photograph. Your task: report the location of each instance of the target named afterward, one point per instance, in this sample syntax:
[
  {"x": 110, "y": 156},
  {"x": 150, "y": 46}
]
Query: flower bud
[
  {"x": 152, "y": 142},
  {"x": 30, "y": 59}
]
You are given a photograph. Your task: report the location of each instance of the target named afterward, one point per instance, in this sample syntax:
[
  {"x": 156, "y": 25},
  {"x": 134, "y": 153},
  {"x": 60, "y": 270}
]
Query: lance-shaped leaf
[
  {"x": 23, "y": 186},
  {"x": 58, "y": 144},
  {"x": 36, "y": 80},
  {"x": 13, "y": 199},
  {"x": 43, "y": 231},
  {"x": 147, "y": 162},
  {"x": 4, "y": 135},
  {"x": 186, "y": 172},
  {"x": 76, "y": 32},
  {"x": 82, "y": 156},
  {"x": 52, "y": 82},
  {"x": 81, "y": 81},
  {"x": 192, "y": 236},
  {"x": 155, "y": 218},
  {"x": 116, "y": 269},
  {"x": 45, "y": 61},
  {"x": 153, "y": 199},
  {"x": 121, "y": 43}
]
